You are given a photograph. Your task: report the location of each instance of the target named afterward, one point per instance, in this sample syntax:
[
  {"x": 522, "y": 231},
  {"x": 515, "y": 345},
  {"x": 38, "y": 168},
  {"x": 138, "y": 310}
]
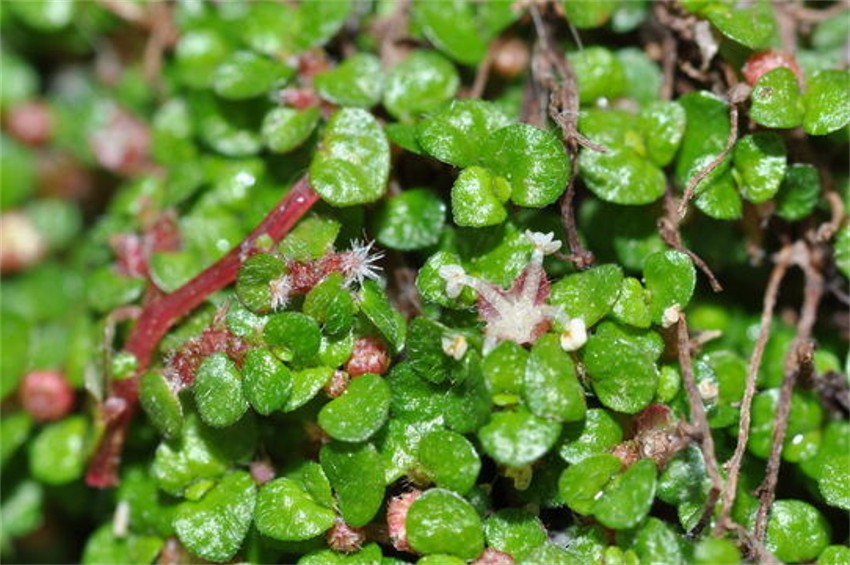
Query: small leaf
[
  {"x": 359, "y": 412},
  {"x": 551, "y": 388},
  {"x": 306, "y": 384},
  {"x": 419, "y": 84},
  {"x": 161, "y": 404},
  {"x": 796, "y": 531},
  {"x": 716, "y": 551},
  {"x": 776, "y": 100},
  {"x": 376, "y": 306},
  {"x": 218, "y": 391},
  {"x": 598, "y": 433},
  {"x": 590, "y": 294},
  {"x": 197, "y": 55},
  {"x": 533, "y": 160},
  {"x": 504, "y": 370},
  {"x": 352, "y": 163},
  {"x": 297, "y": 334},
  {"x": 670, "y": 278},
  {"x": 759, "y": 163},
  {"x": 331, "y": 304},
  {"x": 799, "y": 193},
  {"x": 662, "y": 125},
  {"x": 628, "y": 497},
  {"x": 412, "y": 219},
  {"x": 450, "y": 460},
  {"x": 440, "y": 521},
  {"x": 518, "y": 438},
  {"x": 599, "y": 74},
  {"x": 244, "y": 74},
  {"x": 432, "y": 286},
  {"x": 587, "y": 15},
  {"x": 751, "y": 25},
  {"x": 312, "y": 238},
  {"x": 452, "y": 27},
  {"x": 356, "y": 474},
  {"x": 104, "y": 547},
  {"x": 253, "y": 284},
  {"x": 453, "y": 135},
  {"x": 286, "y": 512},
  {"x": 718, "y": 198},
  {"x": 477, "y": 198},
  {"x": 583, "y": 483},
  {"x": 706, "y": 131},
  {"x": 827, "y": 101},
  {"x": 214, "y": 527},
  {"x": 425, "y": 350},
  {"x": 266, "y": 381},
  {"x": 57, "y": 455},
  {"x": 632, "y": 306},
  {"x": 284, "y": 129},
  {"x": 622, "y": 176},
  {"x": 356, "y": 83}
]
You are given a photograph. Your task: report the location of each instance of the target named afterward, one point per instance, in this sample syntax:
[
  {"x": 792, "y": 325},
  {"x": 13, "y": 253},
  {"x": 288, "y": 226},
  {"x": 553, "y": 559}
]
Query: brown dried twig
[{"x": 668, "y": 228}]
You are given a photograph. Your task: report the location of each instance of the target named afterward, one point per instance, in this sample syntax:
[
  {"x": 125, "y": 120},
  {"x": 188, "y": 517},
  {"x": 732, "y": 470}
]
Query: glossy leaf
[
  {"x": 266, "y": 381},
  {"x": 57, "y": 455},
  {"x": 218, "y": 391},
  {"x": 590, "y": 294},
  {"x": 827, "y": 101},
  {"x": 284, "y": 129},
  {"x": 478, "y": 198},
  {"x": 161, "y": 404},
  {"x": 286, "y": 512},
  {"x": 410, "y": 220},
  {"x": 450, "y": 460},
  {"x": 359, "y": 412},
  {"x": 356, "y": 83},
  {"x": 597, "y": 433},
  {"x": 452, "y": 27},
  {"x": 514, "y": 531},
  {"x": 796, "y": 531},
  {"x": 375, "y": 304},
  {"x": 454, "y": 134},
  {"x": 670, "y": 278},
  {"x": 356, "y": 473},
  {"x": 599, "y": 74},
  {"x": 517, "y": 438},
  {"x": 776, "y": 100},
  {"x": 440, "y": 521},
  {"x": 799, "y": 193},
  {"x": 551, "y": 388},
  {"x": 419, "y": 84},
  {"x": 244, "y": 74},
  {"x": 759, "y": 164}
]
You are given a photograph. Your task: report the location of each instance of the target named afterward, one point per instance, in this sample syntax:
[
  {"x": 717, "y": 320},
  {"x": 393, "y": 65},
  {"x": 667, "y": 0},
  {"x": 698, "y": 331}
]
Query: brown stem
[
  {"x": 582, "y": 258},
  {"x": 668, "y": 228},
  {"x": 700, "y": 423},
  {"x": 783, "y": 260},
  {"x": 161, "y": 314}
]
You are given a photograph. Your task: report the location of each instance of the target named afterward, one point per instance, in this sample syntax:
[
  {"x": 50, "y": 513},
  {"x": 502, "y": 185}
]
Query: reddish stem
[{"x": 162, "y": 313}]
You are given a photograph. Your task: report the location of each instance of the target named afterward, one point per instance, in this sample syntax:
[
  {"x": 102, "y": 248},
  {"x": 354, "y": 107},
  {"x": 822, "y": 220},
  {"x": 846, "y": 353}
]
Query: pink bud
[
  {"x": 397, "y": 517},
  {"x": 46, "y": 395},
  {"x": 344, "y": 538},
  {"x": 370, "y": 355},
  {"x": 760, "y": 63}
]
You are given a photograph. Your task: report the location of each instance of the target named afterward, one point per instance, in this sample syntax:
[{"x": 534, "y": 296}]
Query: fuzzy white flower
[
  {"x": 574, "y": 335},
  {"x": 455, "y": 278},
  {"x": 360, "y": 263},
  {"x": 545, "y": 243},
  {"x": 455, "y": 346},
  {"x": 281, "y": 290}
]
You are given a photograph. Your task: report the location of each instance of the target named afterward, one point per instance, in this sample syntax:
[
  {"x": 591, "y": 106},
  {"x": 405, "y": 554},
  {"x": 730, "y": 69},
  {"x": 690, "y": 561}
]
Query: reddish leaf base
[{"x": 158, "y": 317}]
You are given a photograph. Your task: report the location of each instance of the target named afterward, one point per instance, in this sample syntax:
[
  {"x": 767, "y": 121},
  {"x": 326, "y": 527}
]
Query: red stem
[{"x": 162, "y": 313}]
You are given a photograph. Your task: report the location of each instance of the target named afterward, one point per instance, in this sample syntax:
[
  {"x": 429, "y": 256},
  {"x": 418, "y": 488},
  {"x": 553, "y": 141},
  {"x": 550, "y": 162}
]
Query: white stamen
[
  {"x": 280, "y": 288},
  {"x": 455, "y": 278},
  {"x": 545, "y": 243},
  {"x": 363, "y": 265},
  {"x": 574, "y": 335},
  {"x": 455, "y": 346}
]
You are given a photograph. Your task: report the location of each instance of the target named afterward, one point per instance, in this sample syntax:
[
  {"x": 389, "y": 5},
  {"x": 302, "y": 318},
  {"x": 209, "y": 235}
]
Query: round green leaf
[
  {"x": 718, "y": 198},
  {"x": 331, "y": 304},
  {"x": 622, "y": 176},
  {"x": 45, "y": 15},
  {"x": 585, "y": 15},
  {"x": 410, "y": 220},
  {"x": 360, "y": 499},
  {"x": 297, "y": 334},
  {"x": 450, "y": 460},
  {"x": 759, "y": 164},
  {"x": 662, "y": 125},
  {"x": 453, "y": 135},
  {"x": 477, "y": 198},
  {"x": 214, "y": 527},
  {"x": 834, "y": 481},
  {"x": 306, "y": 384},
  {"x": 375, "y": 304},
  {"x": 533, "y": 160},
  {"x": 103, "y": 547},
  {"x": 352, "y": 164},
  {"x": 253, "y": 283},
  {"x": 419, "y": 84},
  {"x": 706, "y": 131},
  {"x": 827, "y": 101},
  {"x": 218, "y": 391},
  {"x": 670, "y": 278},
  {"x": 161, "y": 404},
  {"x": 58, "y": 454},
  {"x": 518, "y": 438},
  {"x": 796, "y": 531},
  {"x": 551, "y": 388},
  {"x": 514, "y": 531},
  {"x": 581, "y": 485},
  {"x": 632, "y": 306},
  {"x": 599, "y": 74},
  {"x": 440, "y": 521},
  {"x": 799, "y": 193},
  {"x": 451, "y": 26},
  {"x": 598, "y": 433},
  {"x": 287, "y": 512},
  {"x": 776, "y": 100},
  {"x": 244, "y": 74},
  {"x": 312, "y": 238},
  {"x": 590, "y": 294},
  {"x": 504, "y": 370},
  {"x": 359, "y": 412},
  {"x": 284, "y": 129},
  {"x": 716, "y": 551},
  {"x": 266, "y": 381},
  {"x": 657, "y": 542},
  {"x": 751, "y": 25},
  {"x": 197, "y": 55},
  {"x": 358, "y": 82},
  {"x": 628, "y": 497}
]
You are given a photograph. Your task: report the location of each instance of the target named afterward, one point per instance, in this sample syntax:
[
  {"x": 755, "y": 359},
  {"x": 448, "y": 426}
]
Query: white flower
[
  {"x": 281, "y": 289},
  {"x": 455, "y": 278},
  {"x": 543, "y": 242},
  {"x": 455, "y": 346},
  {"x": 670, "y": 316},
  {"x": 360, "y": 263},
  {"x": 574, "y": 335}
]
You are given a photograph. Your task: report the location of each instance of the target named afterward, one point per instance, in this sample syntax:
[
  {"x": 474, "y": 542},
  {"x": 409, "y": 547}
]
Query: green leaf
[
  {"x": 22, "y": 510},
  {"x": 803, "y": 435},
  {"x": 231, "y": 128},
  {"x": 425, "y": 350},
  {"x": 533, "y": 160},
  {"x": 706, "y": 131},
  {"x": 504, "y": 370},
  {"x": 834, "y": 482},
  {"x": 582, "y": 484},
  {"x": 477, "y": 198},
  {"x": 628, "y": 497},
  {"x": 253, "y": 283},
  {"x": 244, "y": 74},
  {"x": 412, "y": 219},
  {"x": 297, "y": 334},
  {"x": 551, "y": 388},
  {"x": 799, "y": 193},
  {"x": 419, "y": 84},
  {"x": 622, "y": 176},
  {"x": 352, "y": 164},
  {"x": 284, "y": 129},
  {"x": 590, "y": 294},
  {"x": 331, "y": 304},
  {"x": 214, "y": 526},
  {"x": 643, "y": 77},
  {"x": 161, "y": 404},
  {"x": 451, "y": 26},
  {"x": 759, "y": 163},
  {"x": 827, "y": 101},
  {"x": 598, "y": 433},
  {"x": 14, "y": 431},
  {"x": 359, "y": 412},
  {"x": 518, "y": 438},
  {"x": 375, "y": 304},
  {"x": 776, "y": 100},
  {"x": 450, "y": 460},
  {"x": 306, "y": 384},
  {"x": 432, "y": 286},
  {"x": 842, "y": 250},
  {"x": 267, "y": 382},
  {"x": 218, "y": 391},
  {"x": 454, "y": 134},
  {"x": 286, "y": 512},
  {"x": 58, "y": 453},
  {"x": 312, "y": 238},
  {"x": 45, "y": 15},
  {"x": 587, "y": 15},
  {"x": 356, "y": 474},
  {"x": 467, "y": 403},
  {"x": 632, "y": 306},
  {"x": 103, "y": 547},
  {"x": 656, "y": 542},
  {"x": 357, "y": 83},
  {"x": 670, "y": 278},
  {"x": 751, "y": 25},
  {"x": 662, "y": 125},
  {"x": 440, "y": 521},
  {"x": 197, "y": 55},
  {"x": 621, "y": 364},
  {"x": 107, "y": 289},
  {"x": 716, "y": 551},
  {"x": 796, "y": 531},
  {"x": 718, "y": 197},
  {"x": 550, "y": 554},
  {"x": 514, "y": 531},
  {"x": 599, "y": 74}
]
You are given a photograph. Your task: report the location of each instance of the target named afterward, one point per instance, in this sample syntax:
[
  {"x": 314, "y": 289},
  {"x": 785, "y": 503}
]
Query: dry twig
[{"x": 668, "y": 228}]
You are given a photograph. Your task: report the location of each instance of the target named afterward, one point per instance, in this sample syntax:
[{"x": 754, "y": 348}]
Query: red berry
[
  {"x": 46, "y": 395},
  {"x": 370, "y": 355},
  {"x": 765, "y": 61},
  {"x": 30, "y": 123}
]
